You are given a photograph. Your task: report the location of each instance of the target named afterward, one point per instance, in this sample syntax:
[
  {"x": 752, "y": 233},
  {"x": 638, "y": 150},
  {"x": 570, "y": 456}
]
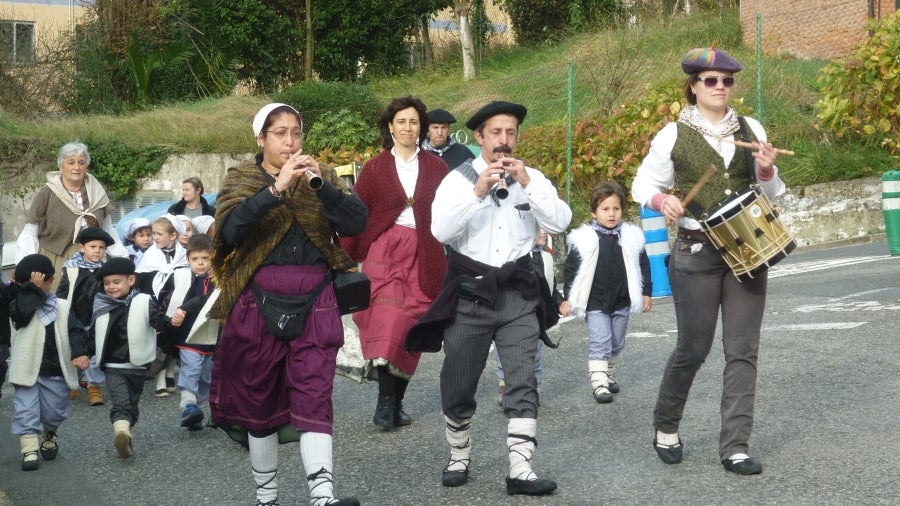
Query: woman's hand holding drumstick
[{"x": 749, "y": 145}]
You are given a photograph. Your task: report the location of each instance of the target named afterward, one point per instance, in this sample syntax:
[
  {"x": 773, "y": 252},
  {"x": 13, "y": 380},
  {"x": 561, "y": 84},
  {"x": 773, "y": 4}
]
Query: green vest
[{"x": 692, "y": 156}]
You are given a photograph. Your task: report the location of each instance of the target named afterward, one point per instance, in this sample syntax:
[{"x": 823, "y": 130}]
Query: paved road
[{"x": 826, "y": 421}]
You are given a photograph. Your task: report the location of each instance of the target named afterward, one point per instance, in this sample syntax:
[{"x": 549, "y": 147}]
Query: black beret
[
  {"x": 33, "y": 263},
  {"x": 440, "y": 116},
  {"x": 493, "y": 109},
  {"x": 116, "y": 265},
  {"x": 708, "y": 58},
  {"x": 94, "y": 234}
]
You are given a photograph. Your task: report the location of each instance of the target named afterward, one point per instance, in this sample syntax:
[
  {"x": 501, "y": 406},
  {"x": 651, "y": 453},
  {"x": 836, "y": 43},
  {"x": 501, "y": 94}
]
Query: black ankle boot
[
  {"x": 385, "y": 412},
  {"x": 401, "y": 418}
]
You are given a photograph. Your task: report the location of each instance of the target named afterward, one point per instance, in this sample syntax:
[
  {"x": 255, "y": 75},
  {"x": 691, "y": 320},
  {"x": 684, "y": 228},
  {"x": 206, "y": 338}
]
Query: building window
[{"x": 16, "y": 41}]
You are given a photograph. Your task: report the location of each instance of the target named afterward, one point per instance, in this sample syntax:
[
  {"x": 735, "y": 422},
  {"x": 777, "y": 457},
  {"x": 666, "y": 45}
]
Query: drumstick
[
  {"x": 699, "y": 185},
  {"x": 748, "y": 145}
]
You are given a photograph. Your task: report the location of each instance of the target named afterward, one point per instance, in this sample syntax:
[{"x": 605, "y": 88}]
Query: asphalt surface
[{"x": 826, "y": 425}]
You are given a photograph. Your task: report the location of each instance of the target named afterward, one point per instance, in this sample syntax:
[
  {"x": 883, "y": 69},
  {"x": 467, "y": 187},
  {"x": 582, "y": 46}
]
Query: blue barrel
[
  {"x": 657, "y": 235},
  {"x": 890, "y": 200}
]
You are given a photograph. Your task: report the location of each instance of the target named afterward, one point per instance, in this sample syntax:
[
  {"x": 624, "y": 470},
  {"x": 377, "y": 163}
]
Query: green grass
[{"x": 536, "y": 77}]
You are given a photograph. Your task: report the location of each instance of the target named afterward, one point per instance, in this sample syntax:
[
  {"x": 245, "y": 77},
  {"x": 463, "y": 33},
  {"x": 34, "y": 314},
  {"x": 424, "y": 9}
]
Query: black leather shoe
[
  {"x": 613, "y": 387},
  {"x": 743, "y": 467},
  {"x": 529, "y": 487},
  {"x": 602, "y": 395},
  {"x": 400, "y": 416},
  {"x": 454, "y": 478},
  {"x": 347, "y": 501},
  {"x": 670, "y": 454},
  {"x": 384, "y": 412}
]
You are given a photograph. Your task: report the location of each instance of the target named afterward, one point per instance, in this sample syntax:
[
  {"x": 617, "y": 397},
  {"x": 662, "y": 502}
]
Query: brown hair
[
  {"x": 395, "y": 106},
  {"x": 199, "y": 242},
  {"x": 195, "y": 182},
  {"x": 606, "y": 190},
  {"x": 689, "y": 94}
]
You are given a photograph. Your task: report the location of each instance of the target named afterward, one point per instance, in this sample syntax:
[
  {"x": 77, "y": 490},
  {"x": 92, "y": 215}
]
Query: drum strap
[{"x": 746, "y": 138}]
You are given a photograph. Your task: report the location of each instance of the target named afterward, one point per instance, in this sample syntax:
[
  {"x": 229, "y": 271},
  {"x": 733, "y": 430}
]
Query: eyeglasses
[
  {"x": 713, "y": 81},
  {"x": 281, "y": 133}
]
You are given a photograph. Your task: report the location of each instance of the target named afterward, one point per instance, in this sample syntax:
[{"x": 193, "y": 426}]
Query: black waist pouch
[{"x": 286, "y": 315}]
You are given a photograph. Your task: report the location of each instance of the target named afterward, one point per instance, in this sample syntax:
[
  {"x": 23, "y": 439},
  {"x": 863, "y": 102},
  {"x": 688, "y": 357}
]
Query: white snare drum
[{"x": 748, "y": 233}]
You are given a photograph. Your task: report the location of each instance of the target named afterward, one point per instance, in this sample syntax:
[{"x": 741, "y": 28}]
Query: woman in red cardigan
[{"x": 404, "y": 262}]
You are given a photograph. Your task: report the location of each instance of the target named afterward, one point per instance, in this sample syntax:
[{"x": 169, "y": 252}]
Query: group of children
[{"x": 111, "y": 320}]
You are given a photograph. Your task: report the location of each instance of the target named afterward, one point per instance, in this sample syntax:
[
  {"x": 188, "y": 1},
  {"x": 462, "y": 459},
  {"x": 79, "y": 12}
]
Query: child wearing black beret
[
  {"x": 78, "y": 286},
  {"x": 124, "y": 344},
  {"x": 42, "y": 367}
]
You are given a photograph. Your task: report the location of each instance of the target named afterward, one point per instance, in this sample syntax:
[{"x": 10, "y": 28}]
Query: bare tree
[
  {"x": 310, "y": 43},
  {"x": 462, "y": 8}
]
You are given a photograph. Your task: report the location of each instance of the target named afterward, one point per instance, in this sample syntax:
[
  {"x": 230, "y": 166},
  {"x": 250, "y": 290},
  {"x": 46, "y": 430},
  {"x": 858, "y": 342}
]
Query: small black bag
[
  {"x": 352, "y": 290},
  {"x": 286, "y": 315}
]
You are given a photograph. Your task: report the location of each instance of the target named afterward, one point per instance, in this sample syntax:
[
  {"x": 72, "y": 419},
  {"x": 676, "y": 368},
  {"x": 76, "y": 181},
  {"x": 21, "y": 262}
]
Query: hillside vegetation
[{"x": 613, "y": 70}]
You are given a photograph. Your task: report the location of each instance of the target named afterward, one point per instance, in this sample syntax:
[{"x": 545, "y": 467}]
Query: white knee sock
[
  {"x": 666, "y": 439},
  {"x": 187, "y": 397},
  {"x": 264, "y": 463},
  {"x": 613, "y": 362},
  {"x": 460, "y": 444},
  {"x": 161, "y": 380},
  {"x": 599, "y": 374},
  {"x": 316, "y": 451},
  {"x": 521, "y": 443}
]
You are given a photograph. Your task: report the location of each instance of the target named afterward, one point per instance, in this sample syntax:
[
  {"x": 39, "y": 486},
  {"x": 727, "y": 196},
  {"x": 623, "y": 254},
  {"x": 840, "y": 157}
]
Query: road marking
[
  {"x": 818, "y": 326},
  {"x": 819, "y": 265}
]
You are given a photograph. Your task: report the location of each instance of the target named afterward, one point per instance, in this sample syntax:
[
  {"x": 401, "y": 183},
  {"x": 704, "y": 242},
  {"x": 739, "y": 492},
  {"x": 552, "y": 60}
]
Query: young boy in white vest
[
  {"x": 607, "y": 277},
  {"x": 124, "y": 344},
  {"x": 195, "y": 335},
  {"x": 79, "y": 285},
  {"x": 41, "y": 367}
]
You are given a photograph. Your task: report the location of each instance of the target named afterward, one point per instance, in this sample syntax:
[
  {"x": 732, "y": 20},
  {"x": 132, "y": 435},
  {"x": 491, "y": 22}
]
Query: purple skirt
[{"x": 262, "y": 383}]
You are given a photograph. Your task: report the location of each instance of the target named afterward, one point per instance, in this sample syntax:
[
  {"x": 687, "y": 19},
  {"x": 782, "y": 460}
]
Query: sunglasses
[{"x": 713, "y": 81}]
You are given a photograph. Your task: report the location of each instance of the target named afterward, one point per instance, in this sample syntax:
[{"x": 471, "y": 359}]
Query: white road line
[
  {"x": 819, "y": 265},
  {"x": 818, "y": 326}
]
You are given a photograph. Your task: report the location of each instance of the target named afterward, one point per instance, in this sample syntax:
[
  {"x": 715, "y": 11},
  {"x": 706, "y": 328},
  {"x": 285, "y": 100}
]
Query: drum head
[{"x": 731, "y": 206}]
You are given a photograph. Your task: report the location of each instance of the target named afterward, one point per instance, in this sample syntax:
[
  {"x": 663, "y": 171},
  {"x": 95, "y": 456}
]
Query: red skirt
[{"x": 392, "y": 265}]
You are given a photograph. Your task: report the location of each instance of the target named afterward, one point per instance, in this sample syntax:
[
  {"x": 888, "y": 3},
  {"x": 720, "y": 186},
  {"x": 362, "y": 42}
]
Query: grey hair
[{"x": 71, "y": 149}]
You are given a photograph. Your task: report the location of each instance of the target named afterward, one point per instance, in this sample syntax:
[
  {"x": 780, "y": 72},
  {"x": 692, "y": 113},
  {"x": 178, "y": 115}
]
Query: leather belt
[{"x": 692, "y": 235}]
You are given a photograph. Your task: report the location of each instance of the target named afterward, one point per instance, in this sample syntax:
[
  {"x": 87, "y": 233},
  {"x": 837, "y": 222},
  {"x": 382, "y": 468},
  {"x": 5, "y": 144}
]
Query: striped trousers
[{"x": 513, "y": 327}]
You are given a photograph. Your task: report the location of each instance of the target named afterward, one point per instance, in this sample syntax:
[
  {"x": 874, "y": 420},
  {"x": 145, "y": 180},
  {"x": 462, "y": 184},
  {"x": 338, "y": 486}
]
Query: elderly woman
[
  {"x": 274, "y": 246},
  {"x": 192, "y": 203},
  {"x": 404, "y": 262},
  {"x": 72, "y": 199}
]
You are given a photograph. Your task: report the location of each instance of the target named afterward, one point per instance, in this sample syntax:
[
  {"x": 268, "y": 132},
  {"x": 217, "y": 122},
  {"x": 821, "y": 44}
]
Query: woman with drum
[{"x": 683, "y": 154}]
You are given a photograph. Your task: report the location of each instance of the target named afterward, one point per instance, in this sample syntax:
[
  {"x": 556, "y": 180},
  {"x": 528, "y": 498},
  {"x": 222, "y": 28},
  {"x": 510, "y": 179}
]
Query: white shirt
[
  {"x": 657, "y": 170},
  {"x": 479, "y": 229},
  {"x": 408, "y": 172}
]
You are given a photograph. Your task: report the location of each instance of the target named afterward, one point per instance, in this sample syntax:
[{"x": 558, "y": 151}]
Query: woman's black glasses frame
[{"x": 713, "y": 81}]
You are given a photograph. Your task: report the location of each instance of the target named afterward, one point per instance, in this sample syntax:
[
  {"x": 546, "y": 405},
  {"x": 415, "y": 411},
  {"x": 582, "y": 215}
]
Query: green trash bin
[{"x": 890, "y": 198}]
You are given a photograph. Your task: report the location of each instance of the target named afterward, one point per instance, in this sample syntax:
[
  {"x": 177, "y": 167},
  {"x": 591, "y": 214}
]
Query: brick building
[{"x": 821, "y": 29}]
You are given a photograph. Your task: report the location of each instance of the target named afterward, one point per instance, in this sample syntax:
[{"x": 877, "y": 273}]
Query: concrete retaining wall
[{"x": 817, "y": 214}]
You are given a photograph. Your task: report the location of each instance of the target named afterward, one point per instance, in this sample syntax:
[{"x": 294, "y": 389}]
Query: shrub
[
  {"x": 861, "y": 96},
  {"x": 314, "y": 98},
  {"x": 341, "y": 129},
  {"x": 121, "y": 167}
]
